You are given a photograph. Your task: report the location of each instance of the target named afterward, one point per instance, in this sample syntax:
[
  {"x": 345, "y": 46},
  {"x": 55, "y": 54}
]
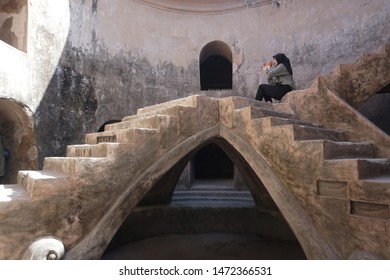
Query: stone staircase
[
  {"x": 212, "y": 193},
  {"x": 342, "y": 159},
  {"x": 312, "y": 153},
  {"x": 356, "y": 82}
]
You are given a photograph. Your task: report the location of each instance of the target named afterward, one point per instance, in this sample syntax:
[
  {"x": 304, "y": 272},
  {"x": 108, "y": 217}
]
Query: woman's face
[{"x": 274, "y": 62}]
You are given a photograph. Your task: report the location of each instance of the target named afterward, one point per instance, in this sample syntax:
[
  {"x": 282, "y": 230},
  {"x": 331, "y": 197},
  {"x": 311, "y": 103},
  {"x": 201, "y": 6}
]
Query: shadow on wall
[
  {"x": 18, "y": 137},
  {"x": 65, "y": 112}
]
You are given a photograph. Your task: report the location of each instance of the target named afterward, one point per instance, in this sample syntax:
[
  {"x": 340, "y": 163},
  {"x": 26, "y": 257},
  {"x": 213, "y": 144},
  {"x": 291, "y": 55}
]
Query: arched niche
[
  {"x": 18, "y": 137},
  {"x": 216, "y": 68}
]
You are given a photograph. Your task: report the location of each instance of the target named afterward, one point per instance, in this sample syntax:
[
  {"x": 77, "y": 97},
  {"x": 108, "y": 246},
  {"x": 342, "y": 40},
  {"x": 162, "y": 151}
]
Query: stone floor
[{"x": 211, "y": 246}]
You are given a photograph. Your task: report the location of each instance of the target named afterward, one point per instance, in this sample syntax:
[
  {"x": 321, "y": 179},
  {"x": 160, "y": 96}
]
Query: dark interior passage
[
  {"x": 377, "y": 109},
  {"x": 216, "y": 73},
  {"x": 212, "y": 163}
]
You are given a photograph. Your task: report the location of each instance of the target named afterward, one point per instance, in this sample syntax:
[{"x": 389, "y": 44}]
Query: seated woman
[{"x": 280, "y": 79}]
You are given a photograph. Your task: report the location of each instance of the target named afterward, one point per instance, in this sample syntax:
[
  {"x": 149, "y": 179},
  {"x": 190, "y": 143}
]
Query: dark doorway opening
[
  {"x": 216, "y": 70},
  {"x": 216, "y": 73},
  {"x": 212, "y": 163}
]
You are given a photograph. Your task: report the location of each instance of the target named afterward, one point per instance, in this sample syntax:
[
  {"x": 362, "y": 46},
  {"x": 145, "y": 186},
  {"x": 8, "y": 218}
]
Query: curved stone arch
[
  {"x": 309, "y": 237},
  {"x": 215, "y": 48},
  {"x": 216, "y": 55},
  {"x": 95, "y": 243},
  {"x": 173, "y": 162}
]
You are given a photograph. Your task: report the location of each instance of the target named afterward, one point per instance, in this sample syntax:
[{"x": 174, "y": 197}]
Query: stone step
[
  {"x": 242, "y": 102},
  {"x": 166, "y": 106},
  {"x": 86, "y": 150},
  {"x": 212, "y": 198},
  {"x": 339, "y": 150},
  {"x": 131, "y": 135},
  {"x": 211, "y": 188},
  {"x": 369, "y": 168},
  {"x": 42, "y": 182},
  {"x": 358, "y": 168},
  {"x": 276, "y": 121},
  {"x": 101, "y": 150},
  {"x": 254, "y": 113},
  {"x": 135, "y": 121},
  {"x": 376, "y": 188},
  {"x": 173, "y": 111},
  {"x": 220, "y": 204},
  {"x": 283, "y": 107},
  {"x": 73, "y": 165},
  {"x": 262, "y": 112},
  {"x": 303, "y": 132},
  {"x": 12, "y": 193},
  {"x": 157, "y": 122},
  {"x": 215, "y": 193}
]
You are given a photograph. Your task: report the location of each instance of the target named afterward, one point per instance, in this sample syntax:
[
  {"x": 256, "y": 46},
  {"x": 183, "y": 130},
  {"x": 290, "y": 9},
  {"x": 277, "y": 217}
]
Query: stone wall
[{"x": 92, "y": 61}]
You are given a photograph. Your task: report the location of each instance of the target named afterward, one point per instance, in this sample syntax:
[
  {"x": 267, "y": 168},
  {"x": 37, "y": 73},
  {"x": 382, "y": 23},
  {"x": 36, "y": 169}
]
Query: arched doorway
[{"x": 215, "y": 62}]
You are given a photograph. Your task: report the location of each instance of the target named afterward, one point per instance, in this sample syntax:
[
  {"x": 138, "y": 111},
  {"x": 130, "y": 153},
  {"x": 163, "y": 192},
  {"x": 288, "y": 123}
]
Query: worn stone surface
[
  {"x": 357, "y": 82},
  {"x": 286, "y": 161}
]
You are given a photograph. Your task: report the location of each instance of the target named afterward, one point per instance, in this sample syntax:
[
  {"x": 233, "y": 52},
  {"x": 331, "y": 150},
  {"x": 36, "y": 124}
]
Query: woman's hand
[{"x": 267, "y": 64}]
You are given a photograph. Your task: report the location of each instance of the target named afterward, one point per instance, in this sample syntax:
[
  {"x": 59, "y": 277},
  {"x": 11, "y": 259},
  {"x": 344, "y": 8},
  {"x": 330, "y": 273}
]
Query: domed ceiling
[{"x": 204, "y": 6}]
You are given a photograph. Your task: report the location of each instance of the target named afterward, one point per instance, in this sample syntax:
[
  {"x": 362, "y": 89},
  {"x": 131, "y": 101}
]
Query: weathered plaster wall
[
  {"x": 24, "y": 76},
  {"x": 139, "y": 55}
]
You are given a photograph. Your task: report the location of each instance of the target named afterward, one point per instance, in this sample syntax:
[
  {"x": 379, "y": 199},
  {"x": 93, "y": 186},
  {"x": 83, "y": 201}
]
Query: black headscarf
[{"x": 282, "y": 58}]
